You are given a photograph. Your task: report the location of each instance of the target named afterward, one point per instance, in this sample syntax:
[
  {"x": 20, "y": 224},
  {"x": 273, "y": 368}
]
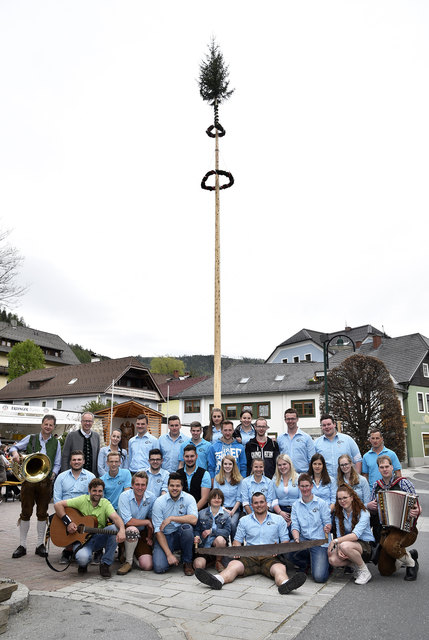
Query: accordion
[{"x": 394, "y": 508}]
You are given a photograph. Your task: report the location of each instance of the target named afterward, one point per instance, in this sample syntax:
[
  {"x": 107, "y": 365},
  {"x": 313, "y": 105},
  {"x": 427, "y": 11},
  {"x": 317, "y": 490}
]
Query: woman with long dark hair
[
  {"x": 245, "y": 431},
  {"x": 212, "y": 431},
  {"x": 323, "y": 485},
  {"x": 353, "y": 546},
  {"x": 116, "y": 447}
]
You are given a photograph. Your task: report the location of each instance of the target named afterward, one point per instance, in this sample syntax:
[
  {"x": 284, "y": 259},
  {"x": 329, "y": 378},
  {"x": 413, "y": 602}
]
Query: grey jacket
[{"x": 74, "y": 441}]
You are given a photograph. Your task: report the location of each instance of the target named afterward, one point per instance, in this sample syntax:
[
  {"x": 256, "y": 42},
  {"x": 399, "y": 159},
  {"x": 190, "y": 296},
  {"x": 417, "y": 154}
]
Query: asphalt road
[
  {"x": 50, "y": 618},
  {"x": 384, "y": 608}
]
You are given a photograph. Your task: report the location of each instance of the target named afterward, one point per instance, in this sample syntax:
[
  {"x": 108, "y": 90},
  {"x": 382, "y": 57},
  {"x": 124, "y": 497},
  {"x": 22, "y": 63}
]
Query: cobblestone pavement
[{"x": 175, "y": 605}]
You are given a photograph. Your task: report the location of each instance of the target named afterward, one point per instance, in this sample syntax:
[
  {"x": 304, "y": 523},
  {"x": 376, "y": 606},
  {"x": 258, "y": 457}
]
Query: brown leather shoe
[
  {"x": 188, "y": 569},
  {"x": 126, "y": 568}
]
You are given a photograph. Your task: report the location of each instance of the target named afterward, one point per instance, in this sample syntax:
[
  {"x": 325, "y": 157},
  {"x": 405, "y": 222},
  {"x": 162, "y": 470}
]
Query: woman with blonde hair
[
  {"x": 228, "y": 480},
  {"x": 347, "y": 474},
  {"x": 285, "y": 487}
]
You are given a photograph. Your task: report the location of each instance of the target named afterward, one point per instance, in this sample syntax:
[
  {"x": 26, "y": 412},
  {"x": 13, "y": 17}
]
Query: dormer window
[{"x": 426, "y": 369}]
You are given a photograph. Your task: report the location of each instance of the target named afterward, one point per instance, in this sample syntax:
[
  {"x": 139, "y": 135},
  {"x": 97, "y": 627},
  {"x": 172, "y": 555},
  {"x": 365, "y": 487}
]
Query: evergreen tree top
[{"x": 214, "y": 73}]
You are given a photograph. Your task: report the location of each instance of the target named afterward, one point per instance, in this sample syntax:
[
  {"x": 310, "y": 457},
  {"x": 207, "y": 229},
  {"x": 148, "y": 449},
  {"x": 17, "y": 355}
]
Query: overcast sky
[{"x": 103, "y": 148}]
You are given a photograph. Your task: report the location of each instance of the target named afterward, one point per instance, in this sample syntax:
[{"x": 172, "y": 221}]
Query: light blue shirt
[
  {"x": 102, "y": 460},
  {"x": 362, "y": 529},
  {"x": 328, "y": 492},
  {"x": 138, "y": 451},
  {"x": 22, "y": 445},
  {"x": 362, "y": 489},
  {"x": 165, "y": 506},
  {"x": 309, "y": 518},
  {"x": 129, "y": 508},
  {"x": 157, "y": 481},
  {"x": 331, "y": 450},
  {"x": 216, "y": 434},
  {"x": 170, "y": 451},
  {"x": 246, "y": 435},
  {"x": 232, "y": 493},
  {"x": 370, "y": 466},
  {"x": 300, "y": 449},
  {"x": 115, "y": 486},
  {"x": 284, "y": 496},
  {"x": 272, "y": 530},
  {"x": 66, "y": 486},
  {"x": 202, "y": 452},
  {"x": 249, "y": 486}
]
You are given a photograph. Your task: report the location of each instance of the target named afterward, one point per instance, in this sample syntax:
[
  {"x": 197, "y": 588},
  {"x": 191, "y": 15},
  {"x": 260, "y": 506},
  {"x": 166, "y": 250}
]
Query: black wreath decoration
[
  {"x": 220, "y": 130},
  {"x": 227, "y": 174}
]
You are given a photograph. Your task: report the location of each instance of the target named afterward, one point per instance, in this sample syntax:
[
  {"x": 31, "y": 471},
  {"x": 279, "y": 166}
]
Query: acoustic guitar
[{"x": 86, "y": 527}]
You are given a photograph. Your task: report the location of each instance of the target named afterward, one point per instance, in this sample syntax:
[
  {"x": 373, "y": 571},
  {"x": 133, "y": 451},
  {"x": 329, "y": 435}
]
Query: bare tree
[
  {"x": 362, "y": 396},
  {"x": 10, "y": 261}
]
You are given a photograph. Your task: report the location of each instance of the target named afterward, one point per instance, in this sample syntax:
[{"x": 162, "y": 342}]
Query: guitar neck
[{"x": 107, "y": 532}]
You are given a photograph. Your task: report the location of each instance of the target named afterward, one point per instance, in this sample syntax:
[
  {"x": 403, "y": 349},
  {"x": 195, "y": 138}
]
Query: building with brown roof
[
  {"x": 57, "y": 352},
  {"x": 73, "y": 386}
]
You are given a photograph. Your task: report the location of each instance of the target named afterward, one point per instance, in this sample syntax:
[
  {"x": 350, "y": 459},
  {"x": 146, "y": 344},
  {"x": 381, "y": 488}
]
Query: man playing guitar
[{"x": 94, "y": 505}]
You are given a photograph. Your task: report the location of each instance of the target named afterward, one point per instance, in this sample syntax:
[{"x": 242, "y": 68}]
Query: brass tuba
[{"x": 33, "y": 467}]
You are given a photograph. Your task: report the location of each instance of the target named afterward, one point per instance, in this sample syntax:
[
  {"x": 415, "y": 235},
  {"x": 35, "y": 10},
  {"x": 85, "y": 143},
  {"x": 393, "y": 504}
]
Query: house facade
[
  {"x": 70, "y": 388},
  {"x": 266, "y": 389},
  {"x": 57, "y": 352}
]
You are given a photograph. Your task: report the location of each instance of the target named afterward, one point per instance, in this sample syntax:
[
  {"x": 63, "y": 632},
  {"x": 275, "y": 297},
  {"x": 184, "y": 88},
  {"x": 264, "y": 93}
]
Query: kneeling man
[
  {"x": 135, "y": 509},
  {"x": 174, "y": 516},
  {"x": 259, "y": 527}
]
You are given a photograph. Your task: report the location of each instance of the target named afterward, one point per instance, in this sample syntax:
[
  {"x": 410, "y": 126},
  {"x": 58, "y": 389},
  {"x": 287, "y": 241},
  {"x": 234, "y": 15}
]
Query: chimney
[
  {"x": 376, "y": 341},
  {"x": 347, "y": 328},
  {"x": 176, "y": 373},
  {"x": 358, "y": 344}
]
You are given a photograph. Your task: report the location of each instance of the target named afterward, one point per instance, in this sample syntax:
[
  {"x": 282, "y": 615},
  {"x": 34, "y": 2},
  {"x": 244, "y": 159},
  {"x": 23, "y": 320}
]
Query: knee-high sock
[
  {"x": 41, "y": 528},
  {"x": 23, "y": 532},
  {"x": 129, "y": 550}
]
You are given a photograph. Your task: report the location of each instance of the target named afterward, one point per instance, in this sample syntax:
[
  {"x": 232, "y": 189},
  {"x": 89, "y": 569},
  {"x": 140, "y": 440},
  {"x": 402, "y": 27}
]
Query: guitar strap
[{"x": 47, "y": 544}]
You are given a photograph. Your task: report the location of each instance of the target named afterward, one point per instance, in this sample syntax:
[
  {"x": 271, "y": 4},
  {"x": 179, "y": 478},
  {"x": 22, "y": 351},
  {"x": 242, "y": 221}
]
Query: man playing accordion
[{"x": 398, "y": 515}]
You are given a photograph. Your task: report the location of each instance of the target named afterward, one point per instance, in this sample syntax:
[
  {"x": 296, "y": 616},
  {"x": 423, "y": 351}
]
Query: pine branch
[{"x": 213, "y": 80}]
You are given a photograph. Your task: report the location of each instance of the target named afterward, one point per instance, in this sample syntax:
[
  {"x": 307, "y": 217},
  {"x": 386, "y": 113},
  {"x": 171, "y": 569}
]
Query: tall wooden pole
[{"x": 217, "y": 350}]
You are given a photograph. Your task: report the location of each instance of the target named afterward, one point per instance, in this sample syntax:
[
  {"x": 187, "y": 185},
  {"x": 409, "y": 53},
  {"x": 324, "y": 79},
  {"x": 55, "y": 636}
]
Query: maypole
[{"x": 214, "y": 89}]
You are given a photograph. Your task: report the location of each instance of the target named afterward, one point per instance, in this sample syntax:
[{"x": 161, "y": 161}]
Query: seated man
[
  {"x": 173, "y": 516},
  {"x": 311, "y": 520},
  {"x": 393, "y": 541},
  {"x": 94, "y": 505},
  {"x": 260, "y": 527},
  {"x": 135, "y": 509}
]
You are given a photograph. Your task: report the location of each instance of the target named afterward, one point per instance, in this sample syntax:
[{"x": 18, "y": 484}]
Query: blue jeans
[
  {"x": 182, "y": 539},
  {"x": 234, "y": 523},
  {"x": 318, "y": 557},
  {"x": 97, "y": 542}
]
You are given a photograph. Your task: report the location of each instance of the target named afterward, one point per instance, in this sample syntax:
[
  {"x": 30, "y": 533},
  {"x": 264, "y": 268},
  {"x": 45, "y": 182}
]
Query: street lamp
[{"x": 326, "y": 341}]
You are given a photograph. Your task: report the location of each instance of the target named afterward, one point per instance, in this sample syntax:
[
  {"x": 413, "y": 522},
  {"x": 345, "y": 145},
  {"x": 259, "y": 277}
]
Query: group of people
[{"x": 222, "y": 486}]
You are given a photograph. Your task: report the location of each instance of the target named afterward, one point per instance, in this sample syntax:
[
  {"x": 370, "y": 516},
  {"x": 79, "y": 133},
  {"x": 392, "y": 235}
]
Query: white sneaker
[{"x": 363, "y": 576}]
